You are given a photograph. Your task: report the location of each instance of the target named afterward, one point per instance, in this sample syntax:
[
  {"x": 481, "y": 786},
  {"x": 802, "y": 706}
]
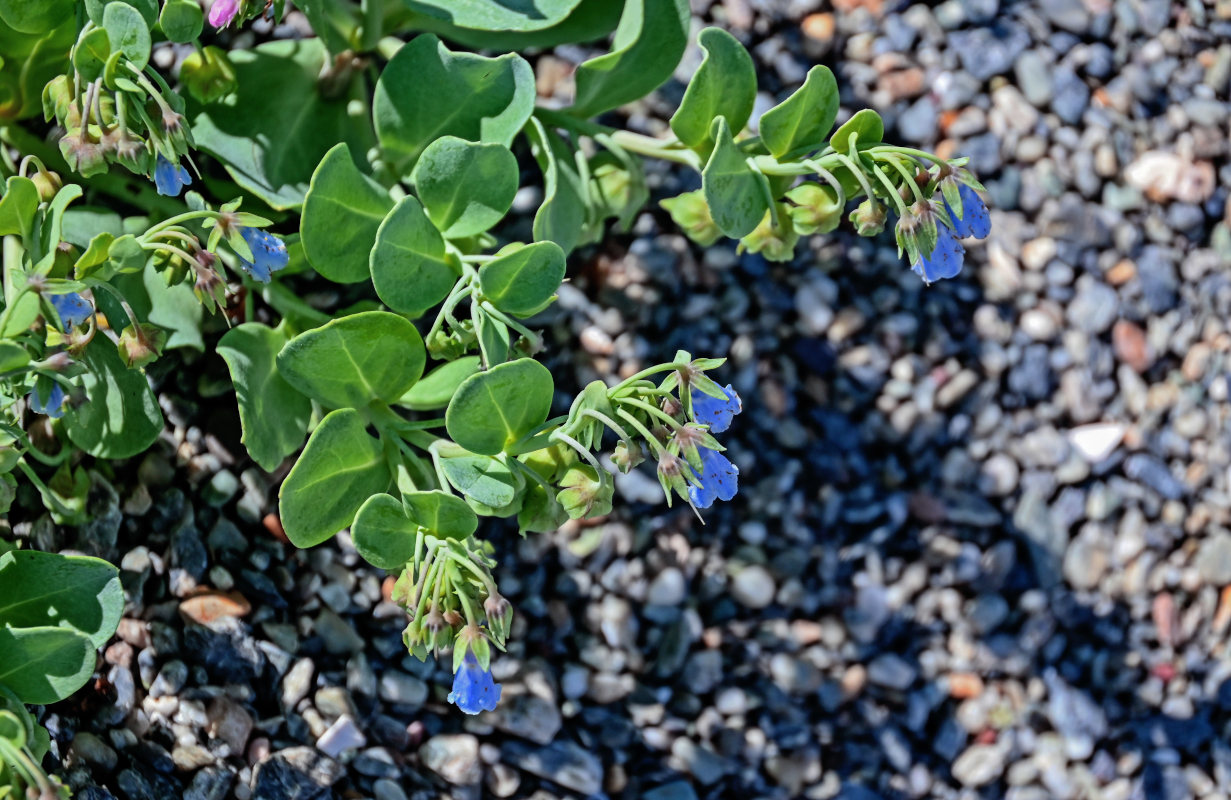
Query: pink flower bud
[{"x": 222, "y": 12}]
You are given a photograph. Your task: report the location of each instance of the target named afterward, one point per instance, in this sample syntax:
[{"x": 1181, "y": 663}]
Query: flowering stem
[
  {"x": 891, "y": 189},
  {"x": 456, "y": 581},
  {"x": 650, "y": 438},
  {"x": 483, "y": 577},
  {"x": 642, "y": 375},
  {"x": 905, "y": 173},
  {"x": 609, "y": 422},
  {"x": 650, "y": 409},
  {"x": 560, "y": 435}
]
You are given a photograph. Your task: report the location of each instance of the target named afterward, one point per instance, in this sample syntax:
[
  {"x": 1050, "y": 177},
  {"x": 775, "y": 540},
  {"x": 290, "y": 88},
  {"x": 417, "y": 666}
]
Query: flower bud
[
  {"x": 817, "y": 209},
  {"x": 774, "y": 242},
  {"x": 208, "y": 75},
  {"x": 48, "y": 184},
  {"x": 627, "y": 455},
  {"x": 140, "y": 345},
  {"x": 868, "y": 218},
  {"x": 585, "y": 494},
  {"x": 692, "y": 214}
]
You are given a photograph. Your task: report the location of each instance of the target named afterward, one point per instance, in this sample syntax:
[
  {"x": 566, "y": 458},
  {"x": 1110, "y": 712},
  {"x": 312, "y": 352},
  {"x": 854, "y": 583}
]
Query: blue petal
[
  {"x": 714, "y": 412},
  {"x": 170, "y": 179},
  {"x": 945, "y": 261},
  {"x": 72, "y": 308},
  {"x": 473, "y": 688},
  {"x": 719, "y": 479},
  {"x": 269, "y": 254},
  {"x": 54, "y": 407},
  {"x": 975, "y": 221}
]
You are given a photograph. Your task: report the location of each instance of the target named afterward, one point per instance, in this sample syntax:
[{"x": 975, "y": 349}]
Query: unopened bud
[
  {"x": 868, "y": 218},
  {"x": 585, "y": 494}
]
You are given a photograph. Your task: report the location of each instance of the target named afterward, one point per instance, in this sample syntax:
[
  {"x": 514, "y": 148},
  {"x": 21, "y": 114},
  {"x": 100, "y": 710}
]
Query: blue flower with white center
[
  {"x": 943, "y": 262},
  {"x": 72, "y": 308},
  {"x": 268, "y": 254},
  {"x": 54, "y": 405},
  {"x": 975, "y": 221},
  {"x": 714, "y": 412},
  {"x": 170, "y": 179},
  {"x": 473, "y": 687},
  {"x": 719, "y": 479}
]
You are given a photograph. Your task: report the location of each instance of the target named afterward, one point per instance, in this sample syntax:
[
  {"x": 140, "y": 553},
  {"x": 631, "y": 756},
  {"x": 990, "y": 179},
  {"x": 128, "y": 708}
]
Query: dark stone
[
  {"x": 188, "y": 551},
  {"x": 990, "y": 51},
  {"x": 227, "y": 651},
  {"x": 1150, "y": 471}
]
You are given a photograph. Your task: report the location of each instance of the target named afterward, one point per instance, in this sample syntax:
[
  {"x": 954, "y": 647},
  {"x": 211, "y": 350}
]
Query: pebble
[
  {"x": 753, "y": 587},
  {"x": 342, "y": 735},
  {"x": 454, "y": 757}
]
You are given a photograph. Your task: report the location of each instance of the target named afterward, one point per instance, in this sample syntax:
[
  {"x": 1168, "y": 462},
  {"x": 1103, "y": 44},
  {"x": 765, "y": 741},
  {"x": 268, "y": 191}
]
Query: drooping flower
[
  {"x": 945, "y": 261},
  {"x": 222, "y": 12},
  {"x": 473, "y": 687},
  {"x": 719, "y": 479},
  {"x": 268, "y": 254},
  {"x": 72, "y": 308},
  {"x": 715, "y": 412},
  {"x": 974, "y": 220},
  {"x": 54, "y": 404},
  {"x": 170, "y": 179}
]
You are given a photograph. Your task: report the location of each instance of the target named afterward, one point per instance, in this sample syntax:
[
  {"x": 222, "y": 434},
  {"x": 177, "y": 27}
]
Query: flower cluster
[{"x": 930, "y": 229}]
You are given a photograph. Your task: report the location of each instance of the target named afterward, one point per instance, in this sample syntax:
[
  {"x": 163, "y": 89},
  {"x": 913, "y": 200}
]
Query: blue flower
[
  {"x": 268, "y": 254},
  {"x": 719, "y": 479},
  {"x": 975, "y": 220},
  {"x": 72, "y": 308},
  {"x": 54, "y": 407},
  {"x": 945, "y": 261},
  {"x": 714, "y": 412},
  {"x": 473, "y": 687},
  {"x": 170, "y": 179}
]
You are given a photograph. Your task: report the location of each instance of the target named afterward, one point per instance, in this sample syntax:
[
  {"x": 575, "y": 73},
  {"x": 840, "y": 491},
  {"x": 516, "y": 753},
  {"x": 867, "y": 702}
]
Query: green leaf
[
  {"x": 866, "y": 123},
  {"x": 562, "y": 214},
  {"x": 466, "y": 187},
  {"x": 496, "y": 15},
  {"x": 493, "y": 410},
  {"x": 91, "y": 53},
  {"x": 272, "y": 415},
  {"x": 725, "y": 85},
  {"x": 737, "y": 195},
  {"x": 482, "y": 479},
  {"x": 589, "y": 20},
  {"x": 121, "y": 417},
  {"x": 436, "y": 388},
  {"x": 282, "y": 119},
  {"x": 12, "y": 357},
  {"x": 341, "y": 214},
  {"x": 540, "y": 513},
  {"x": 148, "y": 9},
  {"x": 410, "y": 269},
  {"x": 181, "y": 20},
  {"x": 339, "y": 469},
  {"x": 129, "y": 33},
  {"x": 427, "y": 91},
  {"x": 35, "y": 16},
  {"x": 799, "y": 123},
  {"x": 494, "y": 340},
  {"x": 646, "y": 48},
  {"x": 336, "y": 22},
  {"x": 44, "y": 665},
  {"x": 77, "y": 592},
  {"x": 383, "y": 534},
  {"x": 523, "y": 281},
  {"x": 353, "y": 360},
  {"x": 441, "y": 513},
  {"x": 17, "y": 206},
  {"x": 173, "y": 308}
]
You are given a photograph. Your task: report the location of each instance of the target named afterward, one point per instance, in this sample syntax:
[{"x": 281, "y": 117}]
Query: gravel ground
[{"x": 981, "y": 548}]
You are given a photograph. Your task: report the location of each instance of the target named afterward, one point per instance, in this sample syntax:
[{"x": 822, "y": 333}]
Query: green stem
[
  {"x": 609, "y": 422},
  {"x": 287, "y": 303},
  {"x": 652, "y": 409},
  {"x": 560, "y": 435},
  {"x": 891, "y": 189},
  {"x": 846, "y": 161},
  {"x": 652, "y": 440},
  {"x": 906, "y": 175}
]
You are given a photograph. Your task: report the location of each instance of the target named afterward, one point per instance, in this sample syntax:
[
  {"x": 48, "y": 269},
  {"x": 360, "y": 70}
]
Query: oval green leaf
[
  {"x": 339, "y": 469},
  {"x": 737, "y": 195},
  {"x": 466, "y": 187},
  {"x": 562, "y": 215},
  {"x": 866, "y": 123},
  {"x": 409, "y": 267},
  {"x": 523, "y": 282},
  {"x": 383, "y": 534},
  {"x": 181, "y": 20},
  {"x": 129, "y": 33},
  {"x": 91, "y": 53},
  {"x": 436, "y": 388},
  {"x": 800, "y": 123},
  {"x": 44, "y": 665},
  {"x": 78, "y": 592},
  {"x": 441, "y": 513},
  {"x": 646, "y": 48},
  {"x": 482, "y": 479},
  {"x": 342, "y": 211},
  {"x": 272, "y": 415},
  {"x": 493, "y": 410},
  {"x": 351, "y": 361},
  {"x": 427, "y": 91},
  {"x": 725, "y": 85},
  {"x": 122, "y": 417}
]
